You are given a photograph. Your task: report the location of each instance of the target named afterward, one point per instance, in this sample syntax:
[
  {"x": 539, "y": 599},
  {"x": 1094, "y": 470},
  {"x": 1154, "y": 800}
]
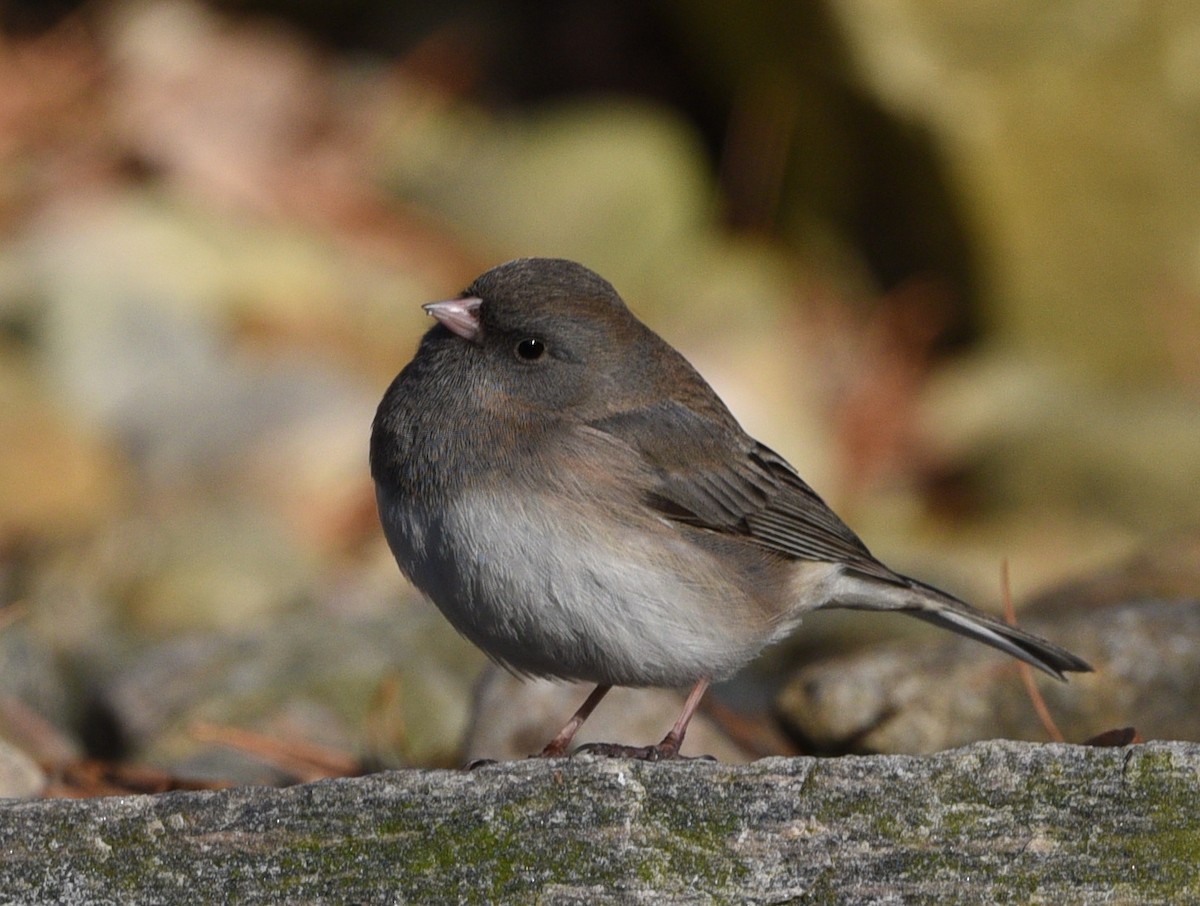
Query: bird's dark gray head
[
  {"x": 544, "y": 331},
  {"x": 553, "y": 284}
]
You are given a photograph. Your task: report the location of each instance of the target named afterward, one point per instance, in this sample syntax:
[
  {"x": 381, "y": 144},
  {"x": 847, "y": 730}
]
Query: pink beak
[{"x": 459, "y": 315}]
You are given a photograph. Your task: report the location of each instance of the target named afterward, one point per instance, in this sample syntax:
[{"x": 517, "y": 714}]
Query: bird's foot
[
  {"x": 476, "y": 763},
  {"x": 664, "y": 751}
]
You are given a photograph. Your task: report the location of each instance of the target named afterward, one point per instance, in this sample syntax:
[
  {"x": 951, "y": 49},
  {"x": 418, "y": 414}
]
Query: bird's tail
[{"x": 941, "y": 609}]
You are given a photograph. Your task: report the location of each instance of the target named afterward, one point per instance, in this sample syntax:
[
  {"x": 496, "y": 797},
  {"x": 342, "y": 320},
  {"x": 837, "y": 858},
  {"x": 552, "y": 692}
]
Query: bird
[{"x": 580, "y": 504}]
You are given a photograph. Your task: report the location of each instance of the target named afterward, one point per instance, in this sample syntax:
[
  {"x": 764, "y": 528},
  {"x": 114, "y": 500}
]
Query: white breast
[{"x": 549, "y": 591}]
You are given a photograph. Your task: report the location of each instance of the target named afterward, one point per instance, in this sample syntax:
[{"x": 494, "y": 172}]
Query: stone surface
[
  {"x": 1167, "y": 570},
  {"x": 20, "y": 776},
  {"x": 993, "y": 823},
  {"x": 40, "y": 705},
  {"x": 394, "y": 690},
  {"x": 1050, "y": 440},
  {"x": 55, "y": 477},
  {"x": 617, "y": 183},
  {"x": 1067, "y": 133}
]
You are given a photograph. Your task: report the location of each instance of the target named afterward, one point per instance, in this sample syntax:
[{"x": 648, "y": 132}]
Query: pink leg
[
  {"x": 558, "y": 745},
  {"x": 669, "y": 747}
]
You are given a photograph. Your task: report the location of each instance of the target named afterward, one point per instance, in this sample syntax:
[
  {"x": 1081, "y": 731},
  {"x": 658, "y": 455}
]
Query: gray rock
[
  {"x": 306, "y": 677},
  {"x": 614, "y": 183},
  {"x": 39, "y": 707},
  {"x": 992, "y": 823},
  {"x": 948, "y": 691},
  {"x": 1031, "y": 106},
  {"x": 210, "y": 566},
  {"x": 1041, "y": 438},
  {"x": 20, "y": 776},
  {"x": 1167, "y": 569},
  {"x": 138, "y": 304}
]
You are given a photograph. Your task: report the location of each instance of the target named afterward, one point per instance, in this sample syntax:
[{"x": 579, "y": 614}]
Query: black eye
[{"x": 531, "y": 349}]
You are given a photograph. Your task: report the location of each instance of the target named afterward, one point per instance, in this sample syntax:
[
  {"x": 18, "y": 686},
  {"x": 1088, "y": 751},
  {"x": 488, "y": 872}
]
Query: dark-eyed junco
[{"x": 580, "y": 504}]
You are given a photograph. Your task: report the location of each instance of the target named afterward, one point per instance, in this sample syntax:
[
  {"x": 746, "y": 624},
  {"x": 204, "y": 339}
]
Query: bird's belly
[{"x": 549, "y": 593}]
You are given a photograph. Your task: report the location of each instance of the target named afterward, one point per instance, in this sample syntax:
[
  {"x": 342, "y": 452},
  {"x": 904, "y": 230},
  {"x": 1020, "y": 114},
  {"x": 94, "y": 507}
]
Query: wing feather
[{"x": 708, "y": 473}]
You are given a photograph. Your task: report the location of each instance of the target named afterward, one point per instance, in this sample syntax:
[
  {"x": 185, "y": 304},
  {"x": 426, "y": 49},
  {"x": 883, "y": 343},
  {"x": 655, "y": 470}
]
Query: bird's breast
[{"x": 573, "y": 587}]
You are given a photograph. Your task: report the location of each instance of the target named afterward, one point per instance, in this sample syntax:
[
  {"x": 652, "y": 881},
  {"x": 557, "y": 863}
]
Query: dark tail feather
[
  {"x": 950, "y": 613},
  {"x": 1020, "y": 644},
  {"x": 900, "y": 594}
]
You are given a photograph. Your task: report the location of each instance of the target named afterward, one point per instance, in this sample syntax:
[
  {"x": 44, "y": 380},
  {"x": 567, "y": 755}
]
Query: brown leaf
[{"x": 1122, "y": 736}]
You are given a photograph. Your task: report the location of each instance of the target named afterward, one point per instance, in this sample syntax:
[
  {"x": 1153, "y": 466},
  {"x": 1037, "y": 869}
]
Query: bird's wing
[{"x": 709, "y": 474}]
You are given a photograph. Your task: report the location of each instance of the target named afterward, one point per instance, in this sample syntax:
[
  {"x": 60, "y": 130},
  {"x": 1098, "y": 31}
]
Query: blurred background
[{"x": 945, "y": 257}]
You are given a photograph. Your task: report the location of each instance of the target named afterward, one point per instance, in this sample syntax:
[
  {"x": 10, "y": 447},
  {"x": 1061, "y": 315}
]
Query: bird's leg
[
  {"x": 557, "y": 747},
  {"x": 669, "y": 747}
]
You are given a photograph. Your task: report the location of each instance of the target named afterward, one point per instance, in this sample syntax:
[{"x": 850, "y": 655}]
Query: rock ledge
[{"x": 996, "y": 822}]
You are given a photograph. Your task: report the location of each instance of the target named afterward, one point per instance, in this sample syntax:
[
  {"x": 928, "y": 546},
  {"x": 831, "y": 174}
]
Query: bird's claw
[
  {"x": 476, "y": 763},
  {"x": 660, "y": 752}
]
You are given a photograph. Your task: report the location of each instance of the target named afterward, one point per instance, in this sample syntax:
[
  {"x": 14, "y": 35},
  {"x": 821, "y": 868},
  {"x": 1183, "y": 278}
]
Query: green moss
[
  {"x": 685, "y": 836},
  {"x": 1161, "y": 839},
  {"x": 1144, "y": 826},
  {"x": 562, "y": 834}
]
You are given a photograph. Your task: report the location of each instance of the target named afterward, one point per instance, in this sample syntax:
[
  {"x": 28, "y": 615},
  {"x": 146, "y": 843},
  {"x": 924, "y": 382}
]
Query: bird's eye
[{"x": 531, "y": 349}]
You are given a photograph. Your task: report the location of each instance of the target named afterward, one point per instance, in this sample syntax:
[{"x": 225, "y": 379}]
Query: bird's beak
[{"x": 461, "y": 316}]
